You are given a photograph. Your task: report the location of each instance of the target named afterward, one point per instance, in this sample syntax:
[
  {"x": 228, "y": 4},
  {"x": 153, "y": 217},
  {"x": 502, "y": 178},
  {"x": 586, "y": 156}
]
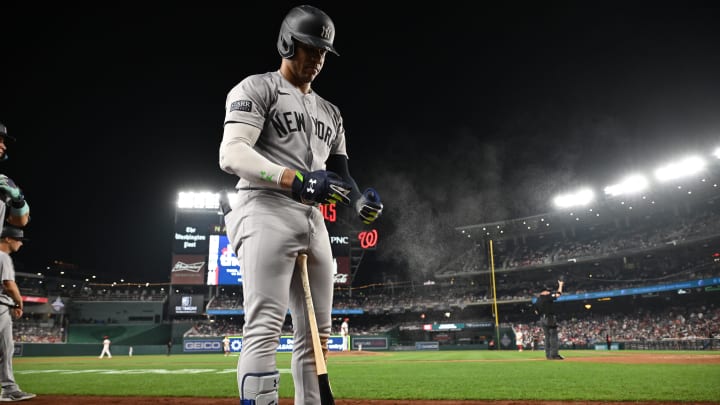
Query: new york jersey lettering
[
  {"x": 288, "y": 122},
  {"x": 323, "y": 132}
]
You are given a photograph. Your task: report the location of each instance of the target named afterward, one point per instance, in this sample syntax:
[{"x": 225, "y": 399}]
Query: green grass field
[{"x": 481, "y": 375}]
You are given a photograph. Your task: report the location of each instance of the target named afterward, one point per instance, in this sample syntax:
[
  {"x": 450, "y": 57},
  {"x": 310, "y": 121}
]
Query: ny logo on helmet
[{"x": 326, "y": 32}]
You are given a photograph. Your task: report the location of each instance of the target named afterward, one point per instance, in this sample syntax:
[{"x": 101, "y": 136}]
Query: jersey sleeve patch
[{"x": 241, "y": 105}]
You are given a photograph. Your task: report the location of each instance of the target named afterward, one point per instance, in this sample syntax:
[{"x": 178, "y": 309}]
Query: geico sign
[
  {"x": 340, "y": 240},
  {"x": 202, "y": 345}
]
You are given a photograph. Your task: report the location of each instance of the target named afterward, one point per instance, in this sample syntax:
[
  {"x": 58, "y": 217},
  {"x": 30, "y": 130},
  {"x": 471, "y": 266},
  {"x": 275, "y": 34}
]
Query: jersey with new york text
[{"x": 298, "y": 130}]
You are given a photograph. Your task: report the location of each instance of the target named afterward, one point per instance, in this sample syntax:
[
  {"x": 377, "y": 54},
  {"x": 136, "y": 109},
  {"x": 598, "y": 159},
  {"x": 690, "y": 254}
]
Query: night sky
[{"x": 455, "y": 114}]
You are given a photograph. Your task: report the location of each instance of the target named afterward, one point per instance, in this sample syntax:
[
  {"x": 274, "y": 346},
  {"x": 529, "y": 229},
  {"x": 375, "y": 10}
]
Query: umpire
[{"x": 548, "y": 321}]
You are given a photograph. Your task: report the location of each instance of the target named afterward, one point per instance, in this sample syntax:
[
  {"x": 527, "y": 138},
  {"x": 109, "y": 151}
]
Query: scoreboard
[{"x": 202, "y": 253}]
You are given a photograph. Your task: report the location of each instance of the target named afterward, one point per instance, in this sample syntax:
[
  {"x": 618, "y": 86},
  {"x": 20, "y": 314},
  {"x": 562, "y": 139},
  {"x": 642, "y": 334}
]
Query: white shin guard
[{"x": 260, "y": 389}]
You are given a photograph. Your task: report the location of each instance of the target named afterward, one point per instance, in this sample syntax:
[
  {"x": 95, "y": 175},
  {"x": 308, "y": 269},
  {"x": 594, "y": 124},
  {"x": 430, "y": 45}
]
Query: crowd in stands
[
  {"x": 90, "y": 293},
  {"x": 35, "y": 331},
  {"x": 578, "y": 331},
  {"x": 702, "y": 322},
  {"x": 225, "y": 326},
  {"x": 463, "y": 293},
  {"x": 602, "y": 241},
  {"x": 225, "y": 301},
  {"x": 216, "y": 327}
]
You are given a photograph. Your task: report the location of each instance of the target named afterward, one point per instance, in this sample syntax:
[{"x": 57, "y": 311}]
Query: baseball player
[
  {"x": 15, "y": 214},
  {"x": 226, "y": 346},
  {"x": 106, "y": 348},
  {"x": 345, "y": 333},
  {"x": 11, "y": 240},
  {"x": 287, "y": 146},
  {"x": 13, "y": 207},
  {"x": 519, "y": 338}
]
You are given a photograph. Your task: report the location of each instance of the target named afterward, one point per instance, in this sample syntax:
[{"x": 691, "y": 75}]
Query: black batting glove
[
  {"x": 320, "y": 187},
  {"x": 368, "y": 206}
]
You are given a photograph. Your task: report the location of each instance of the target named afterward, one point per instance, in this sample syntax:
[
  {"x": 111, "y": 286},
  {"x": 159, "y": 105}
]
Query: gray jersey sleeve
[
  {"x": 7, "y": 270},
  {"x": 298, "y": 130},
  {"x": 248, "y": 101}
]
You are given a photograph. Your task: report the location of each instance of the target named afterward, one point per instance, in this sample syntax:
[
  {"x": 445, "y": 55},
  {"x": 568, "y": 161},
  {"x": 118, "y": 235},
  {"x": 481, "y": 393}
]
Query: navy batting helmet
[
  {"x": 309, "y": 25},
  {"x": 4, "y": 133},
  {"x": 10, "y": 231}
]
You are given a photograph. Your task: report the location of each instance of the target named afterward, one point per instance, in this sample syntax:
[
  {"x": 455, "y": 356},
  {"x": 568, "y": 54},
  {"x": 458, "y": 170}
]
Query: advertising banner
[
  {"x": 342, "y": 273},
  {"x": 188, "y": 269},
  {"x": 369, "y": 343},
  {"x": 187, "y": 304},
  {"x": 286, "y": 344},
  {"x": 202, "y": 345},
  {"x": 192, "y": 231},
  {"x": 223, "y": 264}
]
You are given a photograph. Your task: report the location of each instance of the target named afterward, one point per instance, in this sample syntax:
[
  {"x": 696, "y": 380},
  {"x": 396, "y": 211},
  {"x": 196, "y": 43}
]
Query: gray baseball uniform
[
  {"x": 267, "y": 228},
  {"x": 7, "y": 345}
]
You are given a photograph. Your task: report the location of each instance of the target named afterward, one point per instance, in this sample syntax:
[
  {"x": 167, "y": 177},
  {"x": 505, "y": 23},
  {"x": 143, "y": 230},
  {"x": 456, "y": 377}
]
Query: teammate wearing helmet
[
  {"x": 287, "y": 146},
  {"x": 13, "y": 207},
  {"x": 15, "y": 214}
]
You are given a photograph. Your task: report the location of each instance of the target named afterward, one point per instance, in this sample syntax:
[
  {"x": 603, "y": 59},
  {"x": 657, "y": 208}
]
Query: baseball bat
[{"x": 326, "y": 395}]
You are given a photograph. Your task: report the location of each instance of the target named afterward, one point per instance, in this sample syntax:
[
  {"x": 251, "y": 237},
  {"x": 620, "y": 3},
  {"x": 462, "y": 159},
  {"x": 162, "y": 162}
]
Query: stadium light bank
[
  {"x": 637, "y": 183},
  {"x": 201, "y": 200}
]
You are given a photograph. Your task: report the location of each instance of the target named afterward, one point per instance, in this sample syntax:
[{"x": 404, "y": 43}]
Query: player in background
[
  {"x": 519, "y": 338},
  {"x": 106, "y": 348},
  {"x": 287, "y": 146},
  {"x": 13, "y": 207},
  {"x": 15, "y": 213},
  {"x": 345, "y": 333},
  {"x": 11, "y": 240},
  {"x": 226, "y": 346}
]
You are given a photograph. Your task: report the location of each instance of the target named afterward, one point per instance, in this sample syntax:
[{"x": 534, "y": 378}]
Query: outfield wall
[
  {"x": 129, "y": 334},
  {"x": 70, "y": 349},
  {"x": 372, "y": 343}
]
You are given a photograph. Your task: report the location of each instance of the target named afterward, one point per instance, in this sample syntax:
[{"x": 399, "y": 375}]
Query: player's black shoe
[{"x": 15, "y": 396}]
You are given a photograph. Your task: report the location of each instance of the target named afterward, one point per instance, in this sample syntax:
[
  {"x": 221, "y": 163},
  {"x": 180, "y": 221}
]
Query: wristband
[{"x": 18, "y": 202}]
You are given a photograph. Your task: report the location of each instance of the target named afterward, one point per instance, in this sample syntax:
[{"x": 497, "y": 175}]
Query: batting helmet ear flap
[{"x": 285, "y": 44}]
